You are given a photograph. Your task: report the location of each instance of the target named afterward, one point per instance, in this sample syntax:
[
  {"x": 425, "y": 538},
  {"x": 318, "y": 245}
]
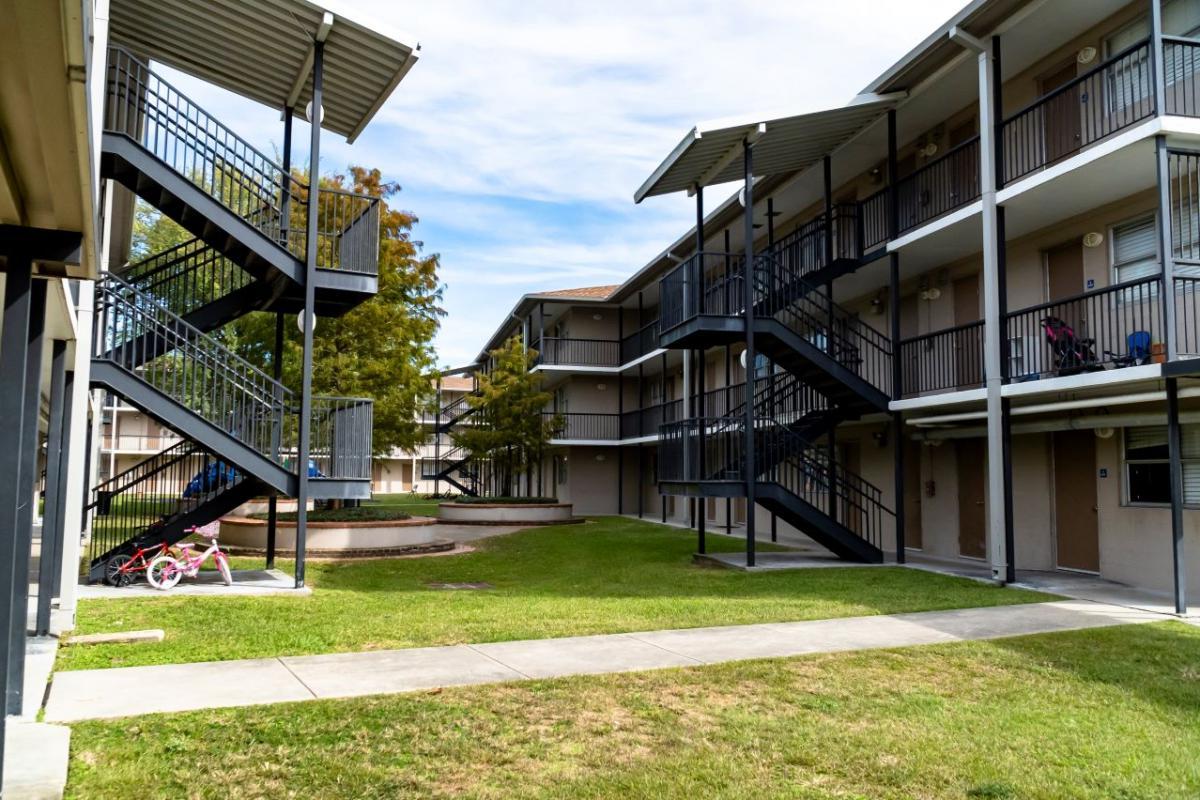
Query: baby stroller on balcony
[{"x": 1071, "y": 354}]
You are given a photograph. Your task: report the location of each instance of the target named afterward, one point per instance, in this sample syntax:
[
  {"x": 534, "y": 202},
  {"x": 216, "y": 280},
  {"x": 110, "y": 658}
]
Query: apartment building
[
  {"x": 126, "y": 420},
  {"x": 430, "y": 468},
  {"x": 969, "y": 299}
]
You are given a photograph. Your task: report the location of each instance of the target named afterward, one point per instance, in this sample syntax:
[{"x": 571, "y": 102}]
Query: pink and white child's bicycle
[{"x": 166, "y": 571}]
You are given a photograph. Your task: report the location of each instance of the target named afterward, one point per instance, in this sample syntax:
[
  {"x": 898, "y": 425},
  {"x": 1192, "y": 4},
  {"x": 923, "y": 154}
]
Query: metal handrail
[
  {"x": 149, "y": 110},
  {"x": 187, "y": 277},
  {"x": 568, "y": 351},
  {"x": 917, "y": 204}
]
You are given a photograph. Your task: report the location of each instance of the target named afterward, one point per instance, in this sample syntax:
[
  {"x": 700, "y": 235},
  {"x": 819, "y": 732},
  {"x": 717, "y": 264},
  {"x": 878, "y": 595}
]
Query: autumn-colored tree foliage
[{"x": 509, "y": 401}]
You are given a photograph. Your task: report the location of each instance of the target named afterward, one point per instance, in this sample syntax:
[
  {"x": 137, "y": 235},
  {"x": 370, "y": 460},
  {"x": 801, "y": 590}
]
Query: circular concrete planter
[
  {"x": 259, "y": 505},
  {"x": 505, "y": 513},
  {"x": 338, "y": 539}
]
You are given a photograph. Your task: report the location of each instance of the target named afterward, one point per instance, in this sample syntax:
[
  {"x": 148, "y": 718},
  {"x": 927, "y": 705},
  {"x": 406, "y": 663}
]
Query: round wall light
[
  {"x": 300, "y": 321},
  {"x": 1086, "y": 55},
  {"x": 1093, "y": 239},
  {"x": 308, "y": 112}
]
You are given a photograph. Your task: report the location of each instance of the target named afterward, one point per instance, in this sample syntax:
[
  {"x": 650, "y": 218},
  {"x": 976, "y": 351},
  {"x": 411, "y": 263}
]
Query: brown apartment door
[
  {"x": 1062, "y": 114},
  {"x": 968, "y": 357},
  {"x": 1064, "y": 271},
  {"x": 1075, "y": 505},
  {"x": 972, "y": 523}
]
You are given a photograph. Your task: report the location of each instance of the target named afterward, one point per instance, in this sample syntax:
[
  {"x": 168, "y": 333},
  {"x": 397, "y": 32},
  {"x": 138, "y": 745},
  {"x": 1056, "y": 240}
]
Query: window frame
[
  {"x": 1114, "y": 268},
  {"x": 1126, "y": 500}
]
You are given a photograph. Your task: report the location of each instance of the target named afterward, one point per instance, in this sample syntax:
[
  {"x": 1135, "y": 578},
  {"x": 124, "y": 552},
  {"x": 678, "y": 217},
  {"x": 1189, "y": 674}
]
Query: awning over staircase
[
  {"x": 711, "y": 152},
  {"x": 262, "y": 49}
]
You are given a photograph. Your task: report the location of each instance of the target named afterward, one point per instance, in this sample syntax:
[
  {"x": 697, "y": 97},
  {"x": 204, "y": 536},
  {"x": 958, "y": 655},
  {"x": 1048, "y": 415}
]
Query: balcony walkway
[{"x": 105, "y": 693}]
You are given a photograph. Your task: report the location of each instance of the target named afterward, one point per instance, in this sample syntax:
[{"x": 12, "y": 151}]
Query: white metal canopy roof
[
  {"x": 711, "y": 152},
  {"x": 262, "y": 49}
]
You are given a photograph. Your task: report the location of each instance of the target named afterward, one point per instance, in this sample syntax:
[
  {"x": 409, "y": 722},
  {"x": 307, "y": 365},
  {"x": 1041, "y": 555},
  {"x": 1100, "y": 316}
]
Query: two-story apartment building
[
  {"x": 91, "y": 123},
  {"x": 969, "y": 298}
]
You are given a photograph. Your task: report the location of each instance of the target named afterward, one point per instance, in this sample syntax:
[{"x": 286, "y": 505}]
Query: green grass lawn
[
  {"x": 1111, "y": 713},
  {"x": 603, "y": 577}
]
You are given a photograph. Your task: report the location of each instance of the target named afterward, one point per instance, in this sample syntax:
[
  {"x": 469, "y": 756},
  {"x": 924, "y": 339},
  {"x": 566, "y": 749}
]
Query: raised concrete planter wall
[
  {"x": 258, "y": 505},
  {"x": 418, "y": 533},
  {"x": 505, "y": 514}
]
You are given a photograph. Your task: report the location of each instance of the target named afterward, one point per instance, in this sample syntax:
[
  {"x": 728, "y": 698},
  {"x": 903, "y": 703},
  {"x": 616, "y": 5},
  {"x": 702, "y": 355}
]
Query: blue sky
[{"x": 521, "y": 134}]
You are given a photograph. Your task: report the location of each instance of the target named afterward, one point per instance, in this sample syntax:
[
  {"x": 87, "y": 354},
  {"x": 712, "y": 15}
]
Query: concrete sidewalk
[{"x": 91, "y": 694}]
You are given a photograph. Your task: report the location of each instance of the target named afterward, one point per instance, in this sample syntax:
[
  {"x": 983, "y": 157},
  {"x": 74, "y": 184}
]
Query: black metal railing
[
  {"x": 815, "y": 245},
  {"x": 712, "y": 450},
  {"x": 1111, "y": 327},
  {"x": 136, "y": 502},
  {"x": 950, "y": 359},
  {"x": 646, "y": 421},
  {"x": 579, "y": 352},
  {"x": 340, "y": 437},
  {"x": 593, "y": 427},
  {"x": 1181, "y": 62},
  {"x": 642, "y": 341},
  {"x": 1104, "y": 100},
  {"x": 809, "y": 312},
  {"x": 1187, "y": 314},
  {"x": 187, "y": 277},
  {"x": 873, "y": 211},
  {"x": 138, "y": 442},
  {"x": 939, "y": 187},
  {"x": 134, "y": 332},
  {"x": 707, "y": 284},
  {"x": 142, "y": 106}
]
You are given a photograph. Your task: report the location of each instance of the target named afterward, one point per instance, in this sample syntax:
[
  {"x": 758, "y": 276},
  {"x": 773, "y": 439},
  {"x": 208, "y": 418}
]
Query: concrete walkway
[{"x": 91, "y": 694}]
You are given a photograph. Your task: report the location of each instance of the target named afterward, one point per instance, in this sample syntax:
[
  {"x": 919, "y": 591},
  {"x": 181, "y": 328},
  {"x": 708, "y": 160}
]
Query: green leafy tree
[
  {"x": 383, "y": 349},
  {"x": 513, "y": 431}
]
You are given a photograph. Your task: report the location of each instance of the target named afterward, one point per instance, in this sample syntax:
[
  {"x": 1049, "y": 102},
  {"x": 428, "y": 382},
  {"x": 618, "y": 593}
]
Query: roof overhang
[
  {"x": 263, "y": 50},
  {"x": 711, "y": 152}
]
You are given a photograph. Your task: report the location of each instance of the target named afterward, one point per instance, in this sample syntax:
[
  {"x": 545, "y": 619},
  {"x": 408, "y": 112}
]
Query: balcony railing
[
  {"x": 579, "y": 352},
  {"x": 646, "y": 421},
  {"x": 592, "y": 427},
  {"x": 341, "y": 437},
  {"x": 1181, "y": 59},
  {"x": 138, "y": 442},
  {"x": 811, "y": 246},
  {"x": 707, "y": 284},
  {"x": 642, "y": 341},
  {"x": 1104, "y": 100},
  {"x": 1111, "y": 327},
  {"x": 946, "y": 360},
  {"x": 939, "y": 187},
  {"x": 874, "y": 213},
  {"x": 204, "y": 151}
]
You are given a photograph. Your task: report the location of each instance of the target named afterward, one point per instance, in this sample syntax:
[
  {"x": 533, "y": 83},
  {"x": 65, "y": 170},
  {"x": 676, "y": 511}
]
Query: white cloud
[{"x": 522, "y": 132}]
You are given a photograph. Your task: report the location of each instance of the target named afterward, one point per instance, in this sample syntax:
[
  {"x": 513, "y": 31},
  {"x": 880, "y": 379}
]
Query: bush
[
  {"x": 359, "y": 514},
  {"x": 515, "y": 501}
]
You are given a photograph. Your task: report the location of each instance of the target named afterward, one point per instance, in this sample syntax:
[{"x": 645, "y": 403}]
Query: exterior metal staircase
[
  {"x": 837, "y": 368},
  {"x": 152, "y": 342},
  {"x": 160, "y": 499}
]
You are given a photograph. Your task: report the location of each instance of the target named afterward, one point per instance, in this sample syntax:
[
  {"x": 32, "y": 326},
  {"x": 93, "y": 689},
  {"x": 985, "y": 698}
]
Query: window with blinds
[
  {"x": 1148, "y": 469},
  {"x": 1135, "y": 250},
  {"x": 1130, "y": 82}
]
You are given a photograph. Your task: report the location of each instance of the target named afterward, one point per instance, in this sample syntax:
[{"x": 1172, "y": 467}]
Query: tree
[
  {"x": 383, "y": 349},
  {"x": 512, "y": 431}
]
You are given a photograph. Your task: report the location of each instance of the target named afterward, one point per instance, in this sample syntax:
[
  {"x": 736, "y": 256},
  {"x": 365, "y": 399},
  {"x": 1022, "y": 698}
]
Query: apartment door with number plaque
[{"x": 1076, "y": 509}]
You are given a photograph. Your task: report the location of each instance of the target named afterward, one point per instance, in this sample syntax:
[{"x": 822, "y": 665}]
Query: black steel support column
[
  {"x": 55, "y": 504},
  {"x": 1174, "y": 447},
  {"x": 277, "y": 374},
  {"x": 748, "y": 469},
  {"x": 1010, "y": 553},
  {"x": 13, "y": 351},
  {"x": 701, "y": 503},
  {"x": 310, "y": 278},
  {"x": 898, "y": 474},
  {"x": 728, "y": 410},
  {"x": 26, "y": 440}
]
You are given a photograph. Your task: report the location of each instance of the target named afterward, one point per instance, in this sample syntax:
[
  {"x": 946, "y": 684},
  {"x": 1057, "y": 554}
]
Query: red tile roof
[{"x": 583, "y": 293}]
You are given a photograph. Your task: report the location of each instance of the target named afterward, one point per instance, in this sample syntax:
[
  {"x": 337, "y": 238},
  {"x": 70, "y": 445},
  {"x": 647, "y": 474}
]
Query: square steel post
[
  {"x": 310, "y": 278},
  {"x": 55, "y": 504},
  {"x": 748, "y": 312},
  {"x": 27, "y": 447},
  {"x": 1175, "y": 447}
]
